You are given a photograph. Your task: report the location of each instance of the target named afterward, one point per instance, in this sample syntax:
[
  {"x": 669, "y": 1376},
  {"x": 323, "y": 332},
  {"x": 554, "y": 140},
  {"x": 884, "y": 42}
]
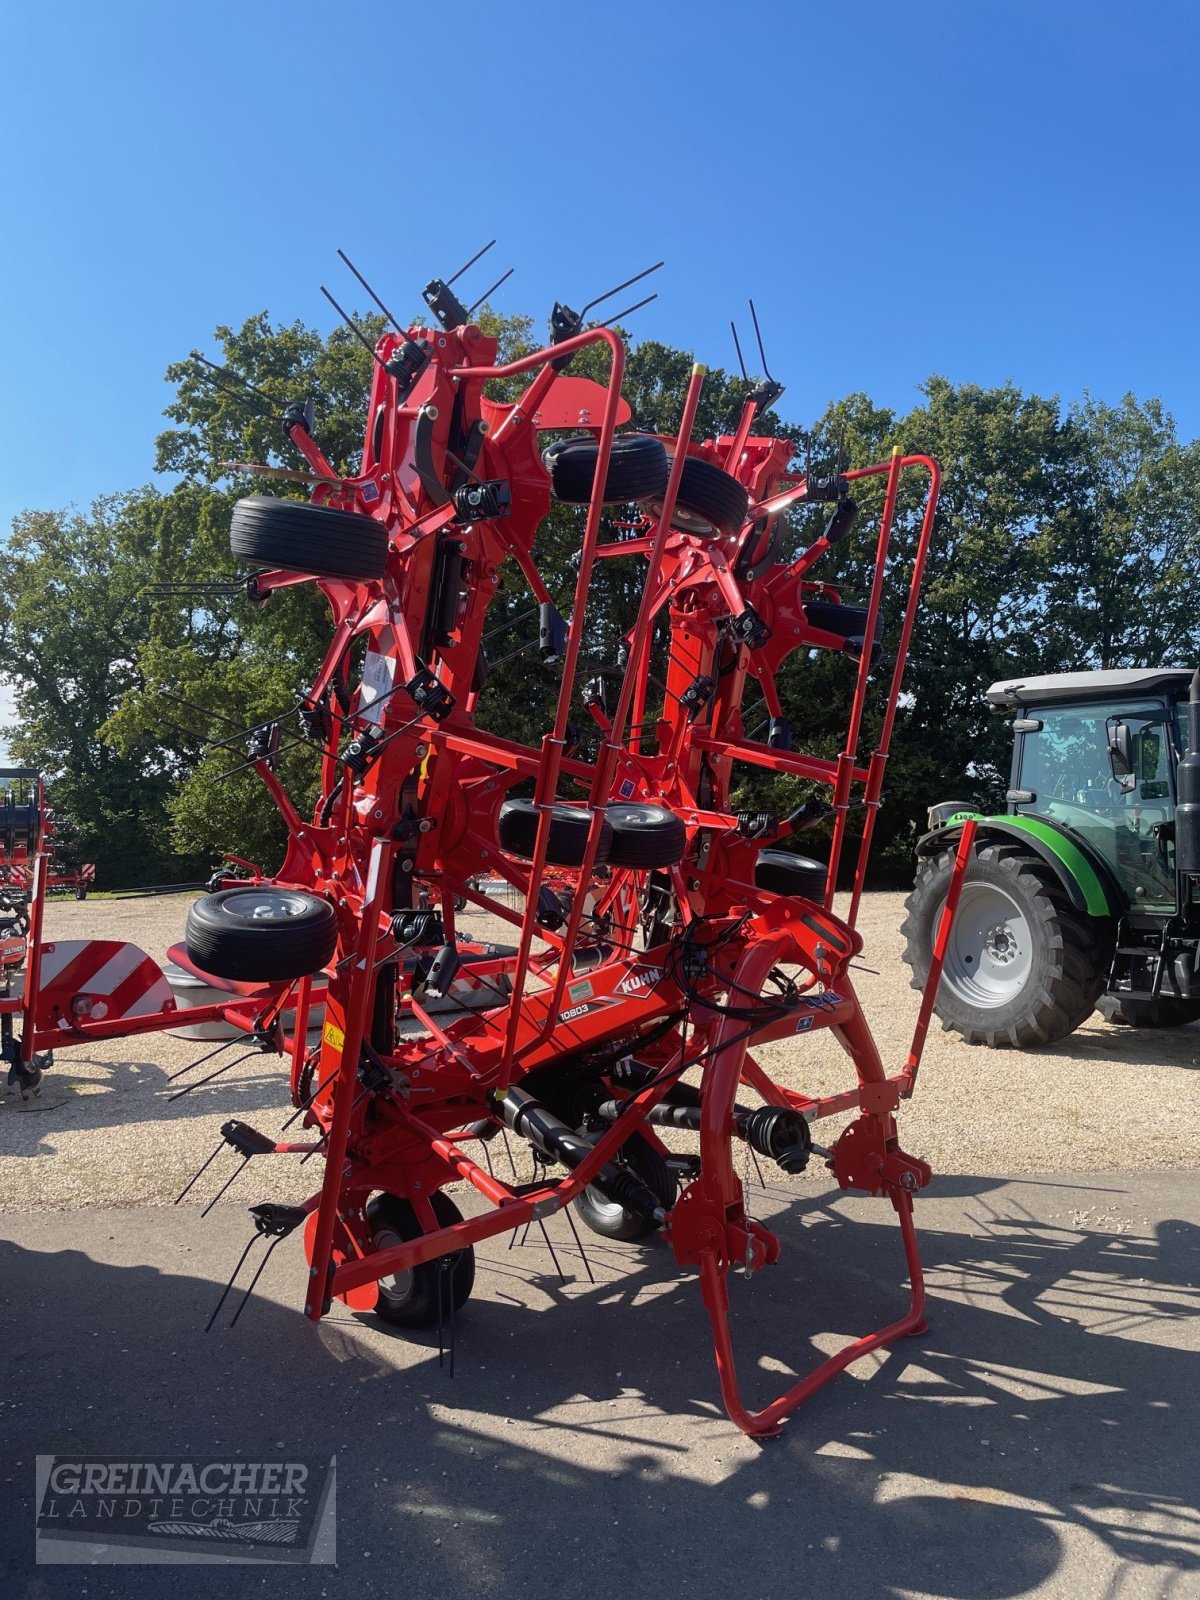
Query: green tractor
[{"x": 1085, "y": 894}]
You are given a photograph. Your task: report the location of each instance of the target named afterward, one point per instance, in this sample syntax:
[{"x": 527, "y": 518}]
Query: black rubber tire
[
  {"x": 81, "y": 894},
  {"x": 613, "y": 1221},
  {"x": 782, "y": 872},
  {"x": 848, "y": 622},
  {"x": 1168, "y": 1011},
  {"x": 1069, "y": 951},
  {"x": 569, "y": 826},
  {"x": 709, "y": 501},
  {"x": 300, "y": 537},
  {"x": 224, "y": 937},
  {"x": 416, "y": 1305},
  {"x": 637, "y": 468},
  {"x": 646, "y": 836}
]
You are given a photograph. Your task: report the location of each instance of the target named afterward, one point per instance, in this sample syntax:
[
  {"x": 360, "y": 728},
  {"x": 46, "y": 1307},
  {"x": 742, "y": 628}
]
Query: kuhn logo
[{"x": 640, "y": 978}]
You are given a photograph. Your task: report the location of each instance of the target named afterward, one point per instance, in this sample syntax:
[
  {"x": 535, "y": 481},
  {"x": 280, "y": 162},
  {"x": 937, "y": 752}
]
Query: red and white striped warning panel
[{"x": 98, "y": 980}]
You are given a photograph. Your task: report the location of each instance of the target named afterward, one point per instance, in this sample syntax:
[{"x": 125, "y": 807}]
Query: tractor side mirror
[{"x": 1120, "y": 750}]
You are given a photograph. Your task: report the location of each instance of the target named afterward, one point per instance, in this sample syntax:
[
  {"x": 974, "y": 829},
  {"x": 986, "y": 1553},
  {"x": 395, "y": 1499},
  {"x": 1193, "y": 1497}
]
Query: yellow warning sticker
[{"x": 333, "y": 1035}]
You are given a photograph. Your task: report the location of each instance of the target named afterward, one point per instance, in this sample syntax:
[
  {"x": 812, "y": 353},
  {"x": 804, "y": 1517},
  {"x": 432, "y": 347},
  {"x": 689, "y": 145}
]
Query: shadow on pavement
[{"x": 1039, "y": 1438}]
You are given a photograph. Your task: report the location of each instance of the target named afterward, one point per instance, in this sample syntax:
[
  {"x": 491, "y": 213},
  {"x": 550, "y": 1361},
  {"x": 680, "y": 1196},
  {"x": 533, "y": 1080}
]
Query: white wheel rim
[
  {"x": 990, "y": 954},
  {"x": 267, "y": 905},
  {"x": 398, "y": 1285},
  {"x": 605, "y": 1208},
  {"x": 686, "y": 521}
]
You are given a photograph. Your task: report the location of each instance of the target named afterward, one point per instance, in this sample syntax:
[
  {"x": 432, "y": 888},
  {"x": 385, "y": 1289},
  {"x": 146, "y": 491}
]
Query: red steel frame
[
  {"x": 72, "y": 1007},
  {"x": 88, "y": 998},
  {"x": 419, "y": 814}
]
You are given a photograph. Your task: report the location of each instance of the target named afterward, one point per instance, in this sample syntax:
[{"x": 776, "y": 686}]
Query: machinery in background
[{"x": 1085, "y": 893}]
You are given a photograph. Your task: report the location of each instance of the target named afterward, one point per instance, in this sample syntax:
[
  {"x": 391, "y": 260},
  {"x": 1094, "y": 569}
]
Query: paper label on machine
[{"x": 378, "y": 675}]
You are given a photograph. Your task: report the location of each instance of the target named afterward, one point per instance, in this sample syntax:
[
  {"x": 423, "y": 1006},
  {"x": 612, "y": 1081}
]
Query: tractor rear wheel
[
  {"x": 1023, "y": 967},
  {"x": 1168, "y": 1011}
]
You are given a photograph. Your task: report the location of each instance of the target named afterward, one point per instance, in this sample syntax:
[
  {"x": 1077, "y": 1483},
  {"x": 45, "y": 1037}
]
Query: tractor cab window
[{"x": 1103, "y": 773}]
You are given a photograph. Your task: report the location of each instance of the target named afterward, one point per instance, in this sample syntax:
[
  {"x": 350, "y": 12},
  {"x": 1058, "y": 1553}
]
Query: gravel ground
[{"x": 104, "y": 1132}]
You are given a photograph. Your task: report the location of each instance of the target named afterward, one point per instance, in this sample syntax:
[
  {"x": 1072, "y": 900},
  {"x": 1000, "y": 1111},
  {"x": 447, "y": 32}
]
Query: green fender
[{"x": 1082, "y": 876}]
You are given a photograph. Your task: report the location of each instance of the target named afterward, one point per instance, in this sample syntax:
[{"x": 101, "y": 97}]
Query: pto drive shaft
[{"x": 529, "y": 1119}]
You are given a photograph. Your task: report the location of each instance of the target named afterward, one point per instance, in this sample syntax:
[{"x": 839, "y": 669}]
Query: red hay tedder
[
  {"x": 27, "y": 826},
  {"x": 663, "y": 936}
]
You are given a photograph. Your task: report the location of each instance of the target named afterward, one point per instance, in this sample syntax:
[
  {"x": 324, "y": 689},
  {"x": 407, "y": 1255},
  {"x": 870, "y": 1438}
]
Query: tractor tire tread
[{"x": 1075, "y": 969}]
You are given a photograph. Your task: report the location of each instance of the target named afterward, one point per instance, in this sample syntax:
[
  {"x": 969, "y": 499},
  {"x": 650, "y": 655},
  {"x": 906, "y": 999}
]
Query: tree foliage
[
  {"x": 73, "y": 623},
  {"x": 1065, "y": 539}
]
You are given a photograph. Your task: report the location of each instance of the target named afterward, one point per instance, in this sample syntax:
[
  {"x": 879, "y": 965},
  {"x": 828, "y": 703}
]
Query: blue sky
[{"x": 988, "y": 189}]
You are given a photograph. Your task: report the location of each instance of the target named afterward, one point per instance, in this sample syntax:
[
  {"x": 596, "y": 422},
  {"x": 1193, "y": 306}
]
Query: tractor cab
[
  {"x": 1085, "y": 894},
  {"x": 1100, "y": 764}
]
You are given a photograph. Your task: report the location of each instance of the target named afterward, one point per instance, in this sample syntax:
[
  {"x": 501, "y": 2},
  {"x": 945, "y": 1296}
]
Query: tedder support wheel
[
  {"x": 782, "y": 872},
  {"x": 569, "y": 826},
  {"x": 1168, "y": 1011},
  {"x": 261, "y": 933},
  {"x": 637, "y": 469},
  {"x": 614, "y": 1221},
  {"x": 305, "y": 538},
  {"x": 848, "y": 622},
  {"x": 411, "y": 1299},
  {"x": 645, "y": 836},
  {"x": 709, "y": 501},
  {"x": 1023, "y": 967}
]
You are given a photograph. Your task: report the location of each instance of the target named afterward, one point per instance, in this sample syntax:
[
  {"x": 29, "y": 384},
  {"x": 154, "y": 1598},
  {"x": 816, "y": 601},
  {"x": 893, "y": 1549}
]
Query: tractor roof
[{"x": 1075, "y": 686}]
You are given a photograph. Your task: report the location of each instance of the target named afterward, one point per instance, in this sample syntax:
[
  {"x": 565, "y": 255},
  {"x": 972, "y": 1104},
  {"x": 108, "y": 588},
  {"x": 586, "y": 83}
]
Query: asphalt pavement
[{"x": 1039, "y": 1440}]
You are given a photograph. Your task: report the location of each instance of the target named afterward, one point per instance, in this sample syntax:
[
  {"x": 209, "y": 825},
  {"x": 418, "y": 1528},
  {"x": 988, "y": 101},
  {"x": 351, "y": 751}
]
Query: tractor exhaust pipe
[{"x": 1187, "y": 808}]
